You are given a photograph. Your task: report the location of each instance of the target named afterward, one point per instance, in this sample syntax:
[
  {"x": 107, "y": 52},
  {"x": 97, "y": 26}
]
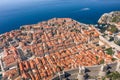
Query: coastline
[{"x": 65, "y": 42}]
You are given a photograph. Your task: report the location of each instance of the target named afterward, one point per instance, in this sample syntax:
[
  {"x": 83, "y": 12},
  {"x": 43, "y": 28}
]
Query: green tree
[
  {"x": 113, "y": 29},
  {"x": 102, "y": 61},
  {"x": 114, "y": 76},
  {"x": 109, "y": 51}
]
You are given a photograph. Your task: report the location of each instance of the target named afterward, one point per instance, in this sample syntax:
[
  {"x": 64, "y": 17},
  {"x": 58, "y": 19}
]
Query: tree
[
  {"x": 117, "y": 42},
  {"x": 109, "y": 51},
  {"x": 97, "y": 57},
  {"x": 114, "y": 76},
  {"x": 111, "y": 39},
  {"x": 116, "y": 19},
  {"x": 113, "y": 29},
  {"x": 113, "y": 59},
  {"x": 102, "y": 61}
]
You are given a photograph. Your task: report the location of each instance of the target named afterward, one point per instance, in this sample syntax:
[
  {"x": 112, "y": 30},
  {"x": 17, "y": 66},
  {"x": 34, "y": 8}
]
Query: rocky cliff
[{"x": 112, "y": 17}]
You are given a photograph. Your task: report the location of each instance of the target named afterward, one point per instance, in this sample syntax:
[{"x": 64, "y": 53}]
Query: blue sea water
[{"x": 14, "y": 13}]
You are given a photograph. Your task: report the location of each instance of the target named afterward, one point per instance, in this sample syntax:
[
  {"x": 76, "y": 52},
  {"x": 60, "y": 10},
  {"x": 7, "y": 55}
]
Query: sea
[{"x": 15, "y": 13}]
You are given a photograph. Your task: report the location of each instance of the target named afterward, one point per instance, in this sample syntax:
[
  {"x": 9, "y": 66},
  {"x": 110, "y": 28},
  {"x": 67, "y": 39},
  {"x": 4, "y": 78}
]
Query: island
[{"x": 58, "y": 49}]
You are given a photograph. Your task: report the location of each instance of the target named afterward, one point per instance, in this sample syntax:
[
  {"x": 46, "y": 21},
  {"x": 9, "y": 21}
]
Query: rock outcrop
[{"x": 112, "y": 17}]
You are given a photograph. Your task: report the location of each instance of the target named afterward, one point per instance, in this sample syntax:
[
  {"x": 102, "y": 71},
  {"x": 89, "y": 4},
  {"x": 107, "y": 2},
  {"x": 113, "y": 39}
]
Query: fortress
[{"x": 58, "y": 49}]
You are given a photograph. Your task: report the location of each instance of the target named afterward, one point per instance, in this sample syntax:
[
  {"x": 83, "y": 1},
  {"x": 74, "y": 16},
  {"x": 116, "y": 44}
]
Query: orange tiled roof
[{"x": 57, "y": 44}]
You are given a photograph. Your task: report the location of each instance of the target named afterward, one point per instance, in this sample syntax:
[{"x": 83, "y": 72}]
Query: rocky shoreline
[{"x": 112, "y": 17}]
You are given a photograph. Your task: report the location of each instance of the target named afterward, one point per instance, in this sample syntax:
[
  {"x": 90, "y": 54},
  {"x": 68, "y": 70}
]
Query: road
[{"x": 112, "y": 44}]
